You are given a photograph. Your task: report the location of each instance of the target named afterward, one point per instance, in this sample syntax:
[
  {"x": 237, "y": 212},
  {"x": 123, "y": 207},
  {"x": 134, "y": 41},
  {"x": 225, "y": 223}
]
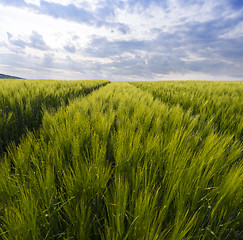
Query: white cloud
[
  {"x": 62, "y": 2},
  {"x": 91, "y": 4},
  {"x": 173, "y": 40},
  {"x": 34, "y": 2},
  {"x": 56, "y": 32},
  {"x": 168, "y": 20},
  {"x": 234, "y": 33}
]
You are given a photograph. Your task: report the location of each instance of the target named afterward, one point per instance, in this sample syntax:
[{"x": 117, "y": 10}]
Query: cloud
[
  {"x": 93, "y": 13},
  {"x": 234, "y": 32},
  {"x": 48, "y": 60},
  {"x": 35, "y": 41},
  {"x": 196, "y": 48},
  {"x": 69, "y": 12},
  {"x": 101, "y": 47},
  {"x": 101, "y": 14},
  {"x": 70, "y": 48},
  {"x": 17, "y": 3},
  {"x": 129, "y": 39},
  {"x": 124, "y": 28},
  {"x": 33, "y": 2},
  {"x": 16, "y": 42}
]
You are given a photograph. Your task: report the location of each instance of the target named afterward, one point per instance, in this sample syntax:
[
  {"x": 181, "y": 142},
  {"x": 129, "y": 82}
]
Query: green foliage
[
  {"x": 22, "y": 103},
  {"x": 119, "y": 164},
  {"x": 220, "y": 102}
]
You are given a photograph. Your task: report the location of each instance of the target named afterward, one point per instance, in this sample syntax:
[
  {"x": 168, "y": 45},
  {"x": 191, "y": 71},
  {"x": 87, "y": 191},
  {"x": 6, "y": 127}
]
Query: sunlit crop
[{"x": 139, "y": 160}]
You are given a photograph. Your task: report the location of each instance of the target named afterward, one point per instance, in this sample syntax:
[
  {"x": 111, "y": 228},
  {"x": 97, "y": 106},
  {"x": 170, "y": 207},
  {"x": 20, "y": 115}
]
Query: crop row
[
  {"x": 119, "y": 164},
  {"x": 22, "y": 103},
  {"x": 219, "y": 102}
]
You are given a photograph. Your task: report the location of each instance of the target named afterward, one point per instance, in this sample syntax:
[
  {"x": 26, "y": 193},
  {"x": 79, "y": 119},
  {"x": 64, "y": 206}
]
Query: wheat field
[{"x": 121, "y": 160}]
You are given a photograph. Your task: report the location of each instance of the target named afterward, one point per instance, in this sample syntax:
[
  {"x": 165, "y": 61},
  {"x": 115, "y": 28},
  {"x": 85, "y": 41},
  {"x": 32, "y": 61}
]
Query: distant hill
[{"x": 8, "y": 76}]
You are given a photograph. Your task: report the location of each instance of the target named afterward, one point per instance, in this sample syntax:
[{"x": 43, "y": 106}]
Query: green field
[{"x": 121, "y": 160}]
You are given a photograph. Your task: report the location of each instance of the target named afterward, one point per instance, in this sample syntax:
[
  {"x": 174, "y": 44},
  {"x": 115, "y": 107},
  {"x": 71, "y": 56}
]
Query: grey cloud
[
  {"x": 102, "y": 48},
  {"x": 70, "y": 12},
  {"x": 124, "y": 28},
  {"x": 16, "y": 42},
  {"x": 204, "y": 39},
  {"x": 216, "y": 68},
  {"x": 105, "y": 11},
  {"x": 120, "y": 27},
  {"x": 17, "y": 3},
  {"x": 102, "y": 15},
  {"x": 171, "y": 53},
  {"x": 231, "y": 49},
  {"x": 165, "y": 64},
  {"x": 12, "y": 60},
  {"x": 9, "y": 35},
  {"x": 70, "y": 48},
  {"x": 36, "y": 41},
  {"x": 75, "y": 37},
  {"x": 143, "y": 4},
  {"x": 194, "y": 47},
  {"x": 174, "y": 53},
  {"x": 80, "y": 66},
  {"x": 48, "y": 61}
]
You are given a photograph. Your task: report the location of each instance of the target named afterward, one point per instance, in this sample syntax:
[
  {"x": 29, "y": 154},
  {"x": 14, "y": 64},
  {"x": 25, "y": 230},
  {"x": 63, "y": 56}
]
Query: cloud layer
[{"x": 122, "y": 40}]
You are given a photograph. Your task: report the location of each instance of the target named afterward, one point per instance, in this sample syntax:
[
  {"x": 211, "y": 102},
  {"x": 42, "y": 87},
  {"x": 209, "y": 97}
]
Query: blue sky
[{"x": 122, "y": 40}]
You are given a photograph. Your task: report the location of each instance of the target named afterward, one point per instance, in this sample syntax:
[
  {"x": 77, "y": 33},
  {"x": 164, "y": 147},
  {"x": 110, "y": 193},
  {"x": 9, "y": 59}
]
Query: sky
[{"x": 122, "y": 40}]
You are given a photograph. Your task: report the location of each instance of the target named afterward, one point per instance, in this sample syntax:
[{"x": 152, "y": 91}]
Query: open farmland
[
  {"x": 121, "y": 160},
  {"x": 22, "y": 103}
]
